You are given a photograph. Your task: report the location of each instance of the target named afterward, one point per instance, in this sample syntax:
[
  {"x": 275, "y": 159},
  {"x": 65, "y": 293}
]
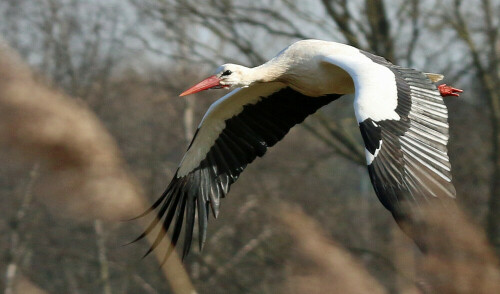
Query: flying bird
[{"x": 400, "y": 112}]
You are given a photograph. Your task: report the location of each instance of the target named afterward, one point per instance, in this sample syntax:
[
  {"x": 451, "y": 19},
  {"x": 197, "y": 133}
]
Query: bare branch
[{"x": 333, "y": 265}]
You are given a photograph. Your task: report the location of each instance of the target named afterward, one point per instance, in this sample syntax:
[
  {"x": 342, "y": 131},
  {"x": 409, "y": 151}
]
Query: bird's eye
[{"x": 226, "y": 73}]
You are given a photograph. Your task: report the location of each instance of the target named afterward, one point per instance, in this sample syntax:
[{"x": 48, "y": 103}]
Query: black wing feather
[
  {"x": 245, "y": 136},
  {"x": 411, "y": 164}
]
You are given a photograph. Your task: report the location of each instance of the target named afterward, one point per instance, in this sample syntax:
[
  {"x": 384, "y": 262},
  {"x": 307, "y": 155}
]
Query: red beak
[{"x": 210, "y": 82}]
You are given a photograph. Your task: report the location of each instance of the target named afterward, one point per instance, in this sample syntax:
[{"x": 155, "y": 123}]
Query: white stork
[{"x": 400, "y": 112}]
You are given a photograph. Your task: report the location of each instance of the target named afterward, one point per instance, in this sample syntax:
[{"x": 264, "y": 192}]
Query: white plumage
[{"x": 401, "y": 115}]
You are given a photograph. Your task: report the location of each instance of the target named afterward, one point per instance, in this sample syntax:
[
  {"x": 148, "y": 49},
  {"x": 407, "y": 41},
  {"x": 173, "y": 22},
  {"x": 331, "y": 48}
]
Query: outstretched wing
[
  {"x": 235, "y": 130},
  {"x": 403, "y": 122}
]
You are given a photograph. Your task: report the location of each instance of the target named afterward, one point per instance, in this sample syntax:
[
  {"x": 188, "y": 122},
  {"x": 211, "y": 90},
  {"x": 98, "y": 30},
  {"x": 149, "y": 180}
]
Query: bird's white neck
[
  {"x": 303, "y": 71},
  {"x": 265, "y": 73}
]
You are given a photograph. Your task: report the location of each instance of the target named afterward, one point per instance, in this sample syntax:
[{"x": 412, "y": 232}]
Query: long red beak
[{"x": 207, "y": 83}]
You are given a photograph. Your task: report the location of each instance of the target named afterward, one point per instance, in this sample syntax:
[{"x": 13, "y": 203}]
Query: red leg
[{"x": 446, "y": 90}]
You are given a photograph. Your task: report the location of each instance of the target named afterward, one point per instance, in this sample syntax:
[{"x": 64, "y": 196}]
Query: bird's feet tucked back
[{"x": 446, "y": 90}]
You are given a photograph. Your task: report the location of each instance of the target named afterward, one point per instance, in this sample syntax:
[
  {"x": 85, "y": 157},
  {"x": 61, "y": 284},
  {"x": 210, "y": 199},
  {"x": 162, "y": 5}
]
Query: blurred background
[{"x": 127, "y": 61}]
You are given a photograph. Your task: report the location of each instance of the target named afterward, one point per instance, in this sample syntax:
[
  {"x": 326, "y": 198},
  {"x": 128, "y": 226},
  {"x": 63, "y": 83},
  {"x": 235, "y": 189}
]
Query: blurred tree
[
  {"x": 73, "y": 43},
  {"x": 129, "y": 60},
  {"x": 481, "y": 40}
]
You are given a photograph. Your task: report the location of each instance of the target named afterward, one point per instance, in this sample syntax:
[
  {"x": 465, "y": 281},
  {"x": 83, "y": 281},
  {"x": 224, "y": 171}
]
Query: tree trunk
[{"x": 493, "y": 217}]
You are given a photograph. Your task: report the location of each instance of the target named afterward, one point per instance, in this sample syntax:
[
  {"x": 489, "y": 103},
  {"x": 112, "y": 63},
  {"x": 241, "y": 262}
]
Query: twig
[
  {"x": 103, "y": 261},
  {"x": 16, "y": 249},
  {"x": 250, "y": 246}
]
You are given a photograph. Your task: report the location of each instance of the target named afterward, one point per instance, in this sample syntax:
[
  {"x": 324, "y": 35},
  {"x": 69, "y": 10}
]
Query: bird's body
[
  {"x": 400, "y": 112},
  {"x": 300, "y": 66}
]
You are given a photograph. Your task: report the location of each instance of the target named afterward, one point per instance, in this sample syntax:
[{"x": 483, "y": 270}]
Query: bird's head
[{"x": 228, "y": 76}]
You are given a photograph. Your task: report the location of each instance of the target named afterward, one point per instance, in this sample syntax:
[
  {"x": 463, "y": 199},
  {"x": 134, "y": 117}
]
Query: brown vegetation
[
  {"x": 82, "y": 174},
  {"x": 458, "y": 258}
]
